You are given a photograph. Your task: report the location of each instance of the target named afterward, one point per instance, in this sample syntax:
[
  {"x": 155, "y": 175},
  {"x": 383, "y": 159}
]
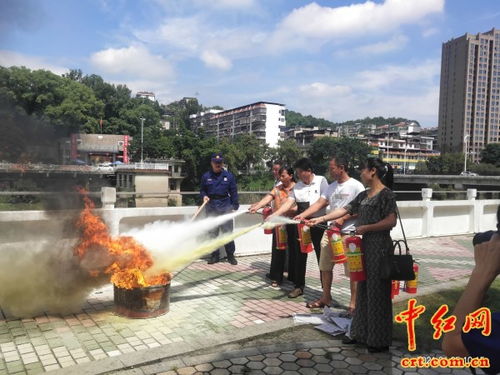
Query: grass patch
[{"x": 432, "y": 302}]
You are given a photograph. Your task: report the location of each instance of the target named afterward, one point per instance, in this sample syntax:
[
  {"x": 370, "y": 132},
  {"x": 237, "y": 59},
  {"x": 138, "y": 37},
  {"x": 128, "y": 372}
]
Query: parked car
[{"x": 467, "y": 173}]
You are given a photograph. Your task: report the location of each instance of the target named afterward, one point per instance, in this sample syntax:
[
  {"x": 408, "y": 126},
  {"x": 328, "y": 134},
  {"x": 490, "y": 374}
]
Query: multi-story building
[
  {"x": 305, "y": 136},
  {"x": 146, "y": 95},
  {"x": 469, "y": 100},
  {"x": 403, "y": 145},
  {"x": 95, "y": 148},
  {"x": 263, "y": 119},
  {"x": 157, "y": 182}
]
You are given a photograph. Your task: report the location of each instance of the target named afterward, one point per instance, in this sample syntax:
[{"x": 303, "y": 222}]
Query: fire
[{"x": 125, "y": 259}]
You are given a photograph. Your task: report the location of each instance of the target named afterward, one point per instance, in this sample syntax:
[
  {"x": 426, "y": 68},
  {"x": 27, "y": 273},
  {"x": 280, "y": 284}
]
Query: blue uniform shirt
[
  {"x": 222, "y": 191},
  {"x": 479, "y": 345}
]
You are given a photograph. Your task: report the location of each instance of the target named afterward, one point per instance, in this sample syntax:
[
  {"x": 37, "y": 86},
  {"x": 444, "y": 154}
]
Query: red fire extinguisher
[
  {"x": 355, "y": 258},
  {"x": 411, "y": 285},
  {"x": 305, "y": 240},
  {"x": 265, "y": 213},
  {"x": 336, "y": 245},
  {"x": 395, "y": 288}
]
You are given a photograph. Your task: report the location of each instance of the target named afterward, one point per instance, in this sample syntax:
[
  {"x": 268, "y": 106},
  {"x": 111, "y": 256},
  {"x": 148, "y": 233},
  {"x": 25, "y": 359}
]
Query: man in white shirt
[
  {"x": 339, "y": 193},
  {"x": 305, "y": 193}
]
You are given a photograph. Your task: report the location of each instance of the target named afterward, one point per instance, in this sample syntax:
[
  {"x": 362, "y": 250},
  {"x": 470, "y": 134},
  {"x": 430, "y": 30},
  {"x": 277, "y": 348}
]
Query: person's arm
[
  {"x": 487, "y": 258},
  {"x": 287, "y": 205},
  {"x": 233, "y": 192},
  {"x": 386, "y": 223},
  {"x": 203, "y": 189},
  {"x": 262, "y": 203},
  {"x": 318, "y": 205},
  {"x": 341, "y": 220},
  {"x": 335, "y": 214}
]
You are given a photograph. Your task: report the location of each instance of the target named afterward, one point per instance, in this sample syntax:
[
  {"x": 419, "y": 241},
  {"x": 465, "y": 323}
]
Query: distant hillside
[
  {"x": 376, "y": 121},
  {"x": 294, "y": 119}
]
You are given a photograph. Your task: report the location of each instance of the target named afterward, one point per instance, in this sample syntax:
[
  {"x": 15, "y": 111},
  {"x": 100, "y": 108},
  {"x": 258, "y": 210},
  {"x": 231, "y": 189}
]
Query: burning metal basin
[{"x": 145, "y": 302}]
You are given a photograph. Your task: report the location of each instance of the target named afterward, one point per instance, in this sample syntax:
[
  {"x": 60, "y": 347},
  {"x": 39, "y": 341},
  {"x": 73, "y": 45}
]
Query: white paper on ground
[
  {"x": 308, "y": 319},
  {"x": 332, "y": 322}
]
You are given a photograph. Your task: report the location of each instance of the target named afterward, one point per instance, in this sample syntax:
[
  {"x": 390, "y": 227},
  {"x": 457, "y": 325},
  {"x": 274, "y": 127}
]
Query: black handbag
[{"x": 398, "y": 266}]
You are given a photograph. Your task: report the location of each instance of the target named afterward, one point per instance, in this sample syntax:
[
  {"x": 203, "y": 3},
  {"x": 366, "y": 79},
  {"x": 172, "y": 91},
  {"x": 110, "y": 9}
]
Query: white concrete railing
[{"x": 424, "y": 218}]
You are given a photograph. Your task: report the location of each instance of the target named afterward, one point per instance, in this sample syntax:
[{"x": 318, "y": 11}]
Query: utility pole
[
  {"x": 466, "y": 137},
  {"x": 142, "y": 139}
]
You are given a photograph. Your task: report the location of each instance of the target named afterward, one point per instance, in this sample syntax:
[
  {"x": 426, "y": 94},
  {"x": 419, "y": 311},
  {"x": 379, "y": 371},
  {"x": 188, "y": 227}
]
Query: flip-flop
[
  {"x": 316, "y": 305},
  {"x": 275, "y": 284}
]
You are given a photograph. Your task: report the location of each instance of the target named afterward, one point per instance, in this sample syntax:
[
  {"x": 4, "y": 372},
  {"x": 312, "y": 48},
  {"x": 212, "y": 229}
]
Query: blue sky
[{"x": 337, "y": 59}]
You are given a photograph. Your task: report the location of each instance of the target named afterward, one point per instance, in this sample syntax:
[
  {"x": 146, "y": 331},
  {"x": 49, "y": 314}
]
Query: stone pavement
[
  {"x": 306, "y": 358},
  {"x": 207, "y": 301}
]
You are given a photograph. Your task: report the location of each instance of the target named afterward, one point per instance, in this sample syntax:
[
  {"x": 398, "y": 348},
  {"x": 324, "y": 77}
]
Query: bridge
[{"x": 493, "y": 181}]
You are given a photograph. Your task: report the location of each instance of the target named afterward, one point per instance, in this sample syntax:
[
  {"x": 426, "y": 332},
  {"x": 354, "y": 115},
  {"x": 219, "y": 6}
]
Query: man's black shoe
[
  {"x": 348, "y": 341},
  {"x": 213, "y": 259},
  {"x": 232, "y": 260}
]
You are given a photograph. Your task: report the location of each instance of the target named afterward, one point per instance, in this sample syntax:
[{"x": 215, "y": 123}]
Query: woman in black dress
[{"x": 376, "y": 210}]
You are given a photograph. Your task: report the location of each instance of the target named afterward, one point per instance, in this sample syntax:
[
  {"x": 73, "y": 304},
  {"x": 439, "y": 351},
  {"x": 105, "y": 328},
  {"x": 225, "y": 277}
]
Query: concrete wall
[{"x": 421, "y": 219}]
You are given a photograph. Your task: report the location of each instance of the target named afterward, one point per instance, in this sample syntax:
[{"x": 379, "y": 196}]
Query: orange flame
[{"x": 125, "y": 259}]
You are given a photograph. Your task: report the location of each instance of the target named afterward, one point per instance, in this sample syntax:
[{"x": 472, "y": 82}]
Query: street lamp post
[
  {"x": 142, "y": 139},
  {"x": 466, "y": 137}
]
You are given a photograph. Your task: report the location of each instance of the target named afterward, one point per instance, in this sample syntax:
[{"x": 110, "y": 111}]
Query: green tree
[
  {"x": 491, "y": 154},
  {"x": 323, "y": 149},
  {"x": 448, "y": 164},
  {"x": 288, "y": 152},
  {"x": 294, "y": 119}
]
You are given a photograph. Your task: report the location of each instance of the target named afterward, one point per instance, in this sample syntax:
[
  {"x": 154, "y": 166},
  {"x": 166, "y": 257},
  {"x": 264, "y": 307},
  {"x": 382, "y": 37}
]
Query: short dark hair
[
  {"x": 277, "y": 162},
  {"x": 341, "y": 162},
  {"x": 304, "y": 164},
  {"x": 288, "y": 170}
]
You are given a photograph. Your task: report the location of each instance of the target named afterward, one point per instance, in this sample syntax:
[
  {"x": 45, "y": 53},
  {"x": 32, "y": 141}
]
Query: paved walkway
[
  {"x": 207, "y": 301},
  {"x": 306, "y": 358}
]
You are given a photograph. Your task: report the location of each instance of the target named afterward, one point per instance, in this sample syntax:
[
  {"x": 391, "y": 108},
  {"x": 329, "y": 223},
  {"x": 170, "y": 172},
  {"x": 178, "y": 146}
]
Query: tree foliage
[
  {"x": 323, "y": 149},
  {"x": 446, "y": 164},
  {"x": 294, "y": 119},
  {"x": 287, "y": 152},
  {"x": 491, "y": 154},
  {"x": 376, "y": 121}
]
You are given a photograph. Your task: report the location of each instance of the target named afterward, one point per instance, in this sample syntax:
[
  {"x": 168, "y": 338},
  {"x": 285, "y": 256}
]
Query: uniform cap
[{"x": 217, "y": 157}]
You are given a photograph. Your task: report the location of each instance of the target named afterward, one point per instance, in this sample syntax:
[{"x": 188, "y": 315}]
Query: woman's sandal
[
  {"x": 316, "y": 305},
  {"x": 275, "y": 284}
]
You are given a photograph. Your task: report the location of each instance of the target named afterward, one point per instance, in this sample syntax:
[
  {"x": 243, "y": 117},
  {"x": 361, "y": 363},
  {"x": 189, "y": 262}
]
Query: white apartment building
[
  {"x": 265, "y": 120},
  {"x": 146, "y": 95}
]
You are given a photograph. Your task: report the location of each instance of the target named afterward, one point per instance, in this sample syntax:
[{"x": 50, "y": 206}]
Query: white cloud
[
  {"x": 425, "y": 72},
  {"x": 213, "y": 59},
  {"x": 315, "y": 23},
  {"x": 320, "y": 89},
  {"x": 11, "y": 58},
  {"x": 410, "y": 90},
  {"x": 197, "y": 37},
  {"x": 230, "y": 4},
  {"x": 430, "y": 31},
  {"x": 395, "y": 43},
  {"x": 135, "y": 61}
]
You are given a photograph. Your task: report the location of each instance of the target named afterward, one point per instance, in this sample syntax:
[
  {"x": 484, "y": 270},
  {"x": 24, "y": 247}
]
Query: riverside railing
[{"x": 422, "y": 218}]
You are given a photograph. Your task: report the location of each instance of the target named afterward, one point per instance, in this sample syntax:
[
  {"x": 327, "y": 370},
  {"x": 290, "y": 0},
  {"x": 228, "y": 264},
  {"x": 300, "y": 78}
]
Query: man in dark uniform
[{"x": 218, "y": 187}]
